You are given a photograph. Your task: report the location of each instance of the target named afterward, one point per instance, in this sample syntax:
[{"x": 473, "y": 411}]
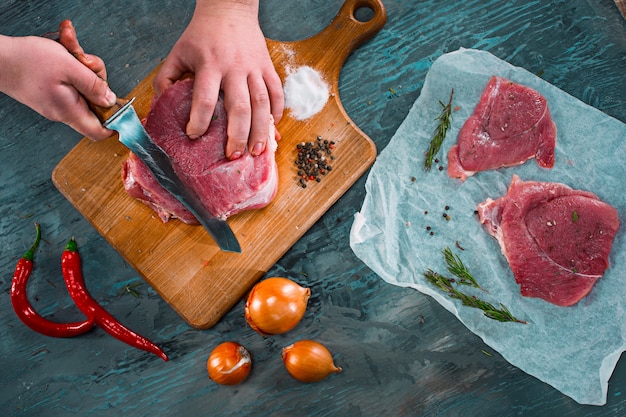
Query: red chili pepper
[
  {"x": 72, "y": 273},
  {"x": 25, "y": 311}
]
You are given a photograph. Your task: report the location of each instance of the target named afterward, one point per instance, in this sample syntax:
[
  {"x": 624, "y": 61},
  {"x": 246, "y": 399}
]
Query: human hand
[
  {"x": 224, "y": 47},
  {"x": 41, "y": 74}
]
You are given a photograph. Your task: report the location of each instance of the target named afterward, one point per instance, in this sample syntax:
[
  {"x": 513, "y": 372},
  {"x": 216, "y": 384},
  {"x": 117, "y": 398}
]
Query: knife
[{"x": 124, "y": 120}]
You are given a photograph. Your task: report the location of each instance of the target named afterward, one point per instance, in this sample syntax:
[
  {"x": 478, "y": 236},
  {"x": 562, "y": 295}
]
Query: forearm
[
  {"x": 7, "y": 70},
  {"x": 218, "y": 7}
]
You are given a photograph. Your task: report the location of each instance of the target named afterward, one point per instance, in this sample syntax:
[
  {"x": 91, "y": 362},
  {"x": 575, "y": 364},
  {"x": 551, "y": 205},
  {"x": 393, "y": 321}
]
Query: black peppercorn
[{"x": 311, "y": 160}]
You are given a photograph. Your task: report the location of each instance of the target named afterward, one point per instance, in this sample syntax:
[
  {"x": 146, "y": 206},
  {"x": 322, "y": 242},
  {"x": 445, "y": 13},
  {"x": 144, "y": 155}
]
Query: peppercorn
[{"x": 312, "y": 159}]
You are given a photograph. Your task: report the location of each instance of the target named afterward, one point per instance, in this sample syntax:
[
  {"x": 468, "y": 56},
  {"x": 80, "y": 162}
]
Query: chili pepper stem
[
  {"x": 30, "y": 253},
  {"x": 25, "y": 311}
]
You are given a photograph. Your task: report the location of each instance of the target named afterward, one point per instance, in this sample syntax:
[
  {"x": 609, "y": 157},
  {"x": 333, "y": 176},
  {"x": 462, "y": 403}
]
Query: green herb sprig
[
  {"x": 445, "y": 118},
  {"x": 458, "y": 269},
  {"x": 445, "y": 284},
  {"x": 130, "y": 289}
]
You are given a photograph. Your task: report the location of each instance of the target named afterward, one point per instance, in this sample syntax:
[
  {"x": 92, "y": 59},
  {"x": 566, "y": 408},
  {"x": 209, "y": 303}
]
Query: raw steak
[
  {"x": 510, "y": 125},
  {"x": 225, "y": 187},
  {"x": 557, "y": 240}
]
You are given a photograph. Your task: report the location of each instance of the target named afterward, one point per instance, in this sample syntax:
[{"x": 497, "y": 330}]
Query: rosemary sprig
[
  {"x": 459, "y": 270},
  {"x": 489, "y": 310},
  {"x": 440, "y": 132},
  {"x": 445, "y": 284},
  {"x": 130, "y": 289}
]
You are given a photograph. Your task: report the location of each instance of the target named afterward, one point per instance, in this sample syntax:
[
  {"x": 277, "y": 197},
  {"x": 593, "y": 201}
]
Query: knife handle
[{"x": 105, "y": 113}]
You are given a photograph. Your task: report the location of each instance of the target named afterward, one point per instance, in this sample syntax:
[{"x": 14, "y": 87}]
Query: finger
[
  {"x": 86, "y": 123},
  {"x": 259, "y": 128},
  {"x": 205, "y": 93},
  {"x": 239, "y": 111},
  {"x": 276, "y": 134},
  {"x": 167, "y": 75},
  {"x": 277, "y": 96},
  {"x": 94, "y": 63},
  {"x": 93, "y": 88},
  {"x": 68, "y": 38}
]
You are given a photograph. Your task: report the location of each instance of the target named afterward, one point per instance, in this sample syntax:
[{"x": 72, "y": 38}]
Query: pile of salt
[{"x": 306, "y": 93}]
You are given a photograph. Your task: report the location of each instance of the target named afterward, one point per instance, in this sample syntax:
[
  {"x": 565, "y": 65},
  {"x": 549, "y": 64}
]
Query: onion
[
  {"x": 308, "y": 361},
  {"x": 276, "y": 305},
  {"x": 229, "y": 363}
]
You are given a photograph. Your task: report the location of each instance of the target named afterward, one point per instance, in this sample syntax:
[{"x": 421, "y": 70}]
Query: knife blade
[{"x": 134, "y": 136}]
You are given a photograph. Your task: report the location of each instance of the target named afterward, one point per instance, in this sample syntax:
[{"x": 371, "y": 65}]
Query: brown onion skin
[
  {"x": 229, "y": 363},
  {"x": 308, "y": 361},
  {"x": 276, "y": 305}
]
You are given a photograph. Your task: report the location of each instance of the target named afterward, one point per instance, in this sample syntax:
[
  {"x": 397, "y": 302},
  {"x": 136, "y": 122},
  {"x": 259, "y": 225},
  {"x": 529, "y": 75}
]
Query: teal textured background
[{"x": 401, "y": 352}]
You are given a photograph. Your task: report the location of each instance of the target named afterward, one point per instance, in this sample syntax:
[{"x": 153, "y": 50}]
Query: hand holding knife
[{"x": 122, "y": 118}]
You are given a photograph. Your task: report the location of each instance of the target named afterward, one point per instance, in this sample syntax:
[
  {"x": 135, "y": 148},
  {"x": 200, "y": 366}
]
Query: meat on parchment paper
[
  {"x": 510, "y": 124},
  {"x": 225, "y": 187},
  {"x": 556, "y": 239}
]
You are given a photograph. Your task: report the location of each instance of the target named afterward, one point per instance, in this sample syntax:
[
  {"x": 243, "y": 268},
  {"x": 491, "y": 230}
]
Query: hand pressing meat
[
  {"x": 511, "y": 124},
  {"x": 225, "y": 187},
  {"x": 556, "y": 239},
  {"x": 224, "y": 48}
]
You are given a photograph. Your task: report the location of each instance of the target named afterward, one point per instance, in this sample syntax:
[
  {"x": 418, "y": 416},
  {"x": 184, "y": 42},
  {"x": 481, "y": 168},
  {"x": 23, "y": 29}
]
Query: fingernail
[
  {"x": 258, "y": 149},
  {"x": 110, "y": 97},
  {"x": 235, "y": 155}
]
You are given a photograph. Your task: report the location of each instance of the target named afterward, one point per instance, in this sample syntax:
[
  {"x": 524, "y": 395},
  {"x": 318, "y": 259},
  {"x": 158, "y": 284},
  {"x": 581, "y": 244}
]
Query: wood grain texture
[
  {"x": 621, "y": 4},
  {"x": 181, "y": 262}
]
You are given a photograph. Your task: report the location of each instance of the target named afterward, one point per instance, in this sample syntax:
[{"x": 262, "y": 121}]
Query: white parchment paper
[{"x": 574, "y": 349}]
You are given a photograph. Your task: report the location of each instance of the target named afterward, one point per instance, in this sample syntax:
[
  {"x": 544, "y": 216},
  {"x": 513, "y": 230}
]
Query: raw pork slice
[
  {"x": 225, "y": 187},
  {"x": 557, "y": 240},
  {"x": 510, "y": 125}
]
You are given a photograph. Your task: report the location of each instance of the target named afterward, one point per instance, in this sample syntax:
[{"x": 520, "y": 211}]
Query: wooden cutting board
[{"x": 182, "y": 262}]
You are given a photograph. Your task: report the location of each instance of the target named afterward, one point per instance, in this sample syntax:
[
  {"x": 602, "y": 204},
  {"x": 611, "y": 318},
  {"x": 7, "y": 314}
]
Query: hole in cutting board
[{"x": 364, "y": 14}]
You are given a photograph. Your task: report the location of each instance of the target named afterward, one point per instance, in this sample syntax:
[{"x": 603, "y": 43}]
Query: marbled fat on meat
[
  {"x": 511, "y": 124},
  {"x": 556, "y": 239},
  {"x": 225, "y": 187}
]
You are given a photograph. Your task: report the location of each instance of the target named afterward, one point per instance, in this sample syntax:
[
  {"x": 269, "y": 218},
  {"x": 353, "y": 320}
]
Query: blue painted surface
[{"x": 402, "y": 353}]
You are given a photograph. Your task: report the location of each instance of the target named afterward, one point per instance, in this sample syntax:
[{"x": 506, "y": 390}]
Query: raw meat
[
  {"x": 510, "y": 125},
  {"x": 225, "y": 187},
  {"x": 556, "y": 239},
  {"x": 141, "y": 184}
]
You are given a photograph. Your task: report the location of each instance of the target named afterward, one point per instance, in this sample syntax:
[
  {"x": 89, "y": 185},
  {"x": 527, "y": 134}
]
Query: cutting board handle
[{"x": 345, "y": 32}]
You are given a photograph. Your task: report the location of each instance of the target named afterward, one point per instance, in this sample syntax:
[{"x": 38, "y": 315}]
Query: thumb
[
  {"x": 169, "y": 73},
  {"x": 93, "y": 88}
]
